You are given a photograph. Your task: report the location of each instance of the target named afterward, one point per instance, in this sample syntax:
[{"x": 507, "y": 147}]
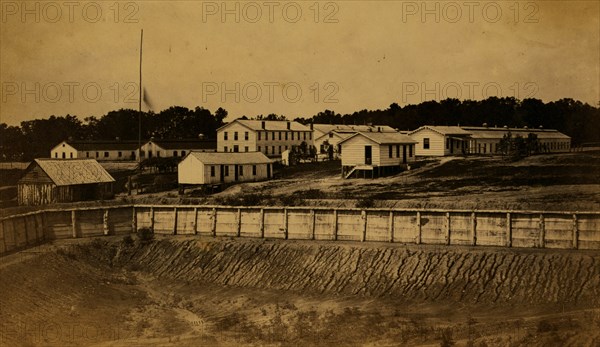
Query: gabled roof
[
  {"x": 270, "y": 125},
  {"x": 66, "y": 172},
  {"x": 341, "y": 135},
  {"x": 340, "y": 128},
  {"x": 443, "y": 130},
  {"x": 185, "y": 144},
  {"x": 495, "y": 133},
  {"x": 229, "y": 158},
  {"x": 101, "y": 145},
  {"x": 383, "y": 138}
]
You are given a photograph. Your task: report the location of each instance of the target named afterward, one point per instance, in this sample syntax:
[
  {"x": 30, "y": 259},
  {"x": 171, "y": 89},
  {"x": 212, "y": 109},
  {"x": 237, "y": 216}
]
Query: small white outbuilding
[{"x": 224, "y": 167}]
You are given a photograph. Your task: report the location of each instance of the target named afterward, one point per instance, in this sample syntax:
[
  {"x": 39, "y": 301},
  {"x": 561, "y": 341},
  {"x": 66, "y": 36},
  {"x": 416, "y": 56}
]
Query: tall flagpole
[{"x": 140, "y": 102}]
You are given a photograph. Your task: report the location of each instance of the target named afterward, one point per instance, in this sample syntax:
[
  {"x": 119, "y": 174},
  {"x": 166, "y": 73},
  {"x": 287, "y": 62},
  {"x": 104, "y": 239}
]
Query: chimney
[
  {"x": 288, "y": 125},
  {"x": 263, "y": 124}
]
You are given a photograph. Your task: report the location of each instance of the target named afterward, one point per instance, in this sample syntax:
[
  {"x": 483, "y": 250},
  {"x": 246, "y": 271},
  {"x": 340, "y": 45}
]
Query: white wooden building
[
  {"x": 459, "y": 140},
  {"x": 486, "y": 140},
  {"x": 326, "y": 135},
  {"x": 99, "y": 150},
  {"x": 159, "y": 148},
  {"x": 271, "y": 138},
  {"x": 218, "y": 167},
  {"x": 440, "y": 140},
  {"x": 374, "y": 154}
]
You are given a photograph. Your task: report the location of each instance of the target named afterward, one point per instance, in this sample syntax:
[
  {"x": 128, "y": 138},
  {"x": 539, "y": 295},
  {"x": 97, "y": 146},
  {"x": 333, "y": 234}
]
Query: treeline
[
  {"x": 34, "y": 138},
  {"x": 574, "y": 118}
]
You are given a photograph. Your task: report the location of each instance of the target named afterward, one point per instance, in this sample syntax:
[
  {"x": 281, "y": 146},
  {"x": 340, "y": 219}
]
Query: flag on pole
[{"x": 146, "y": 99}]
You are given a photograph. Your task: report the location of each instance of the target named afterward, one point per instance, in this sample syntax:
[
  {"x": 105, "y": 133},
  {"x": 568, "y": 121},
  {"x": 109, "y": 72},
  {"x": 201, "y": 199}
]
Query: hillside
[{"x": 186, "y": 291}]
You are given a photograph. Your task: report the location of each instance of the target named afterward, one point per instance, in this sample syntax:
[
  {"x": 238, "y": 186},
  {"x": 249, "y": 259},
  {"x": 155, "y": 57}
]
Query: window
[
  {"x": 71, "y": 155},
  {"x": 273, "y": 149},
  {"x": 259, "y": 135},
  {"x": 87, "y": 154},
  {"x": 235, "y": 136},
  {"x": 310, "y": 136},
  {"x": 241, "y": 170},
  {"x": 484, "y": 147},
  {"x": 426, "y": 143},
  {"x": 330, "y": 135},
  {"x": 253, "y": 170},
  {"x": 390, "y": 150},
  {"x": 410, "y": 150},
  {"x": 158, "y": 154},
  {"x": 64, "y": 155},
  {"x": 246, "y": 149},
  {"x": 225, "y": 149},
  {"x": 397, "y": 151},
  {"x": 225, "y": 136},
  {"x": 174, "y": 153},
  {"x": 119, "y": 154},
  {"x": 105, "y": 154},
  {"x": 226, "y": 170},
  {"x": 292, "y": 135},
  {"x": 279, "y": 149},
  {"x": 286, "y": 135},
  {"x": 259, "y": 149},
  {"x": 212, "y": 171},
  {"x": 132, "y": 154},
  {"x": 55, "y": 154},
  {"x": 280, "y": 136},
  {"x": 305, "y": 136},
  {"x": 236, "y": 148},
  {"x": 183, "y": 153},
  {"x": 286, "y": 148},
  {"x": 246, "y": 136},
  {"x": 98, "y": 154},
  {"x": 272, "y": 135}
]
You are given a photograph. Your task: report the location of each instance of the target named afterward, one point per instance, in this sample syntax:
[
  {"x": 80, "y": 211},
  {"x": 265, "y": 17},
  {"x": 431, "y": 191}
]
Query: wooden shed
[
  {"x": 214, "y": 168},
  {"x": 376, "y": 154},
  {"x": 64, "y": 180}
]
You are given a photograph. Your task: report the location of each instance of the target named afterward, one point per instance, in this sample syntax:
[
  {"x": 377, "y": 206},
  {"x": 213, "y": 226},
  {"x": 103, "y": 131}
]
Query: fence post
[
  {"x": 364, "y": 229},
  {"x": 133, "y": 219},
  {"x": 508, "y": 230},
  {"x": 44, "y": 227},
  {"x": 213, "y": 228},
  {"x": 152, "y": 218},
  {"x": 542, "y": 231},
  {"x": 195, "y": 220},
  {"x": 175, "y": 221},
  {"x": 575, "y": 232},
  {"x": 74, "y": 222},
  {"x": 391, "y": 226},
  {"x": 418, "y": 238},
  {"x": 335, "y": 226},
  {"x": 105, "y": 228},
  {"x": 26, "y": 233},
  {"x": 473, "y": 229},
  {"x": 285, "y": 223},
  {"x": 447, "y": 228},
  {"x": 239, "y": 222},
  {"x": 262, "y": 223},
  {"x": 312, "y": 224}
]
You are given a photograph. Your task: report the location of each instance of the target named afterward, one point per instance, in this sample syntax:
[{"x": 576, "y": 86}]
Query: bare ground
[{"x": 189, "y": 291}]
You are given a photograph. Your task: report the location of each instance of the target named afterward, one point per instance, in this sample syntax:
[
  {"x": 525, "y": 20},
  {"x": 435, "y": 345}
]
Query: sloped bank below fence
[
  {"x": 416, "y": 273},
  {"x": 532, "y": 229}
]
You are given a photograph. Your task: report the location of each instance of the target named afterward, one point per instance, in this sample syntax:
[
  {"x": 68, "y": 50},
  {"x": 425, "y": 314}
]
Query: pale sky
[{"x": 294, "y": 58}]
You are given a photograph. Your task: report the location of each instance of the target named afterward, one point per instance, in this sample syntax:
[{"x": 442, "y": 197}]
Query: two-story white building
[
  {"x": 271, "y": 138},
  {"x": 375, "y": 154}
]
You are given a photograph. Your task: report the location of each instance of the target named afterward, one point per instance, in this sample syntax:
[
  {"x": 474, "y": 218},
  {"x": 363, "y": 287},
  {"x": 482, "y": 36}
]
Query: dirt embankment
[{"x": 185, "y": 291}]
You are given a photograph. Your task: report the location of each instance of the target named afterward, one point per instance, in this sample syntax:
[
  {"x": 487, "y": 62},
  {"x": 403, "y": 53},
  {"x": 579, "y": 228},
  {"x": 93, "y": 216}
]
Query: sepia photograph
[{"x": 300, "y": 173}]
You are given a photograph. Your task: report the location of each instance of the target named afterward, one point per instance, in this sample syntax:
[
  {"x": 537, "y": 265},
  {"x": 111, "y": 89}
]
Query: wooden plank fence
[{"x": 529, "y": 229}]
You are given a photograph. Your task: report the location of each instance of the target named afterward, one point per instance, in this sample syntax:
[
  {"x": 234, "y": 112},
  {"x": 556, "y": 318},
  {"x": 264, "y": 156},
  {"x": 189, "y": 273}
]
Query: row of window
[
  {"x": 226, "y": 170},
  {"x": 236, "y": 149},
  {"x": 281, "y": 135},
  {"x": 158, "y": 154},
  {"x": 391, "y": 150}
]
